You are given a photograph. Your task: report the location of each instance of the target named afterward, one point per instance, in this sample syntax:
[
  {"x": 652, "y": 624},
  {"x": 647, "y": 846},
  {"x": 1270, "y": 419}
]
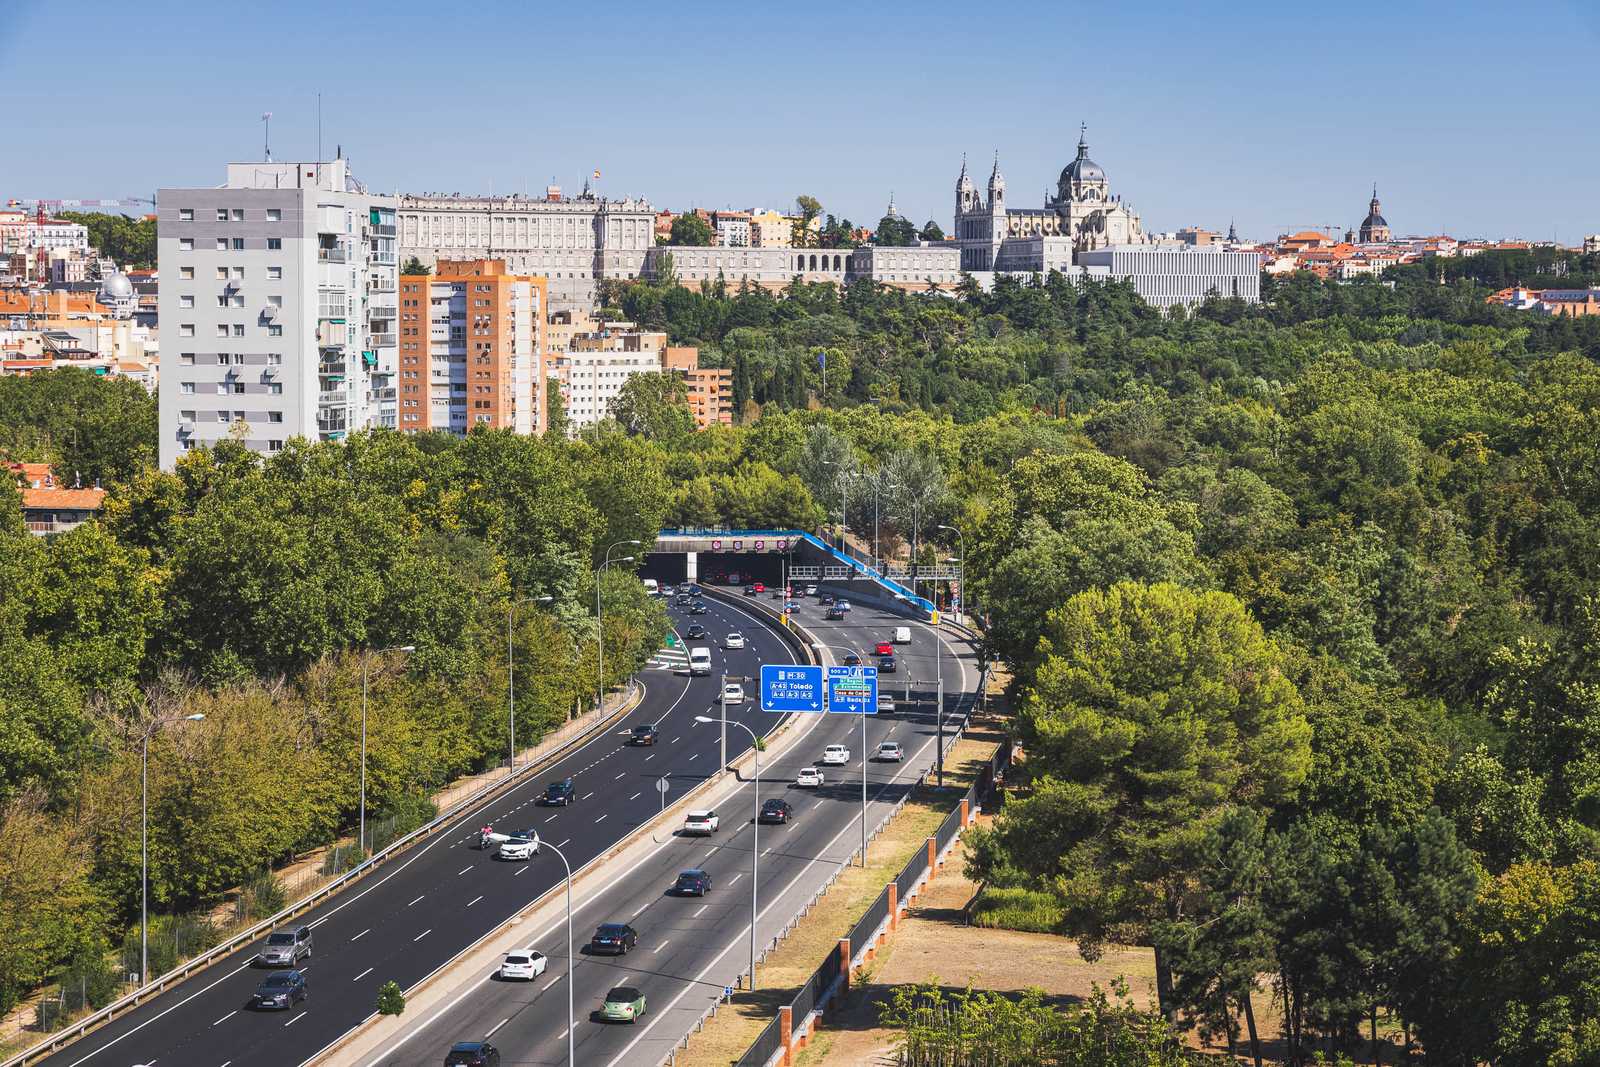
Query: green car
[{"x": 623, "y": 1004}]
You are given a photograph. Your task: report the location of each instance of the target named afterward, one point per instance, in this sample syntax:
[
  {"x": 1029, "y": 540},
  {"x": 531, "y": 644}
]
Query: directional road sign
[
  {"x": 791, "y": 687},
  {"x": 853, "y": 690}
]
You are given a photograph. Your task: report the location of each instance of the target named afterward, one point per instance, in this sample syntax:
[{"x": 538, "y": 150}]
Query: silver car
[{"x": 285, "y": 948}]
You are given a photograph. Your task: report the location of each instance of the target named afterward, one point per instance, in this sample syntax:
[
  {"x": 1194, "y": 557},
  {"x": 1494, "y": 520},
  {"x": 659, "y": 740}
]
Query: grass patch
[{"x": 1017, "y": 908}]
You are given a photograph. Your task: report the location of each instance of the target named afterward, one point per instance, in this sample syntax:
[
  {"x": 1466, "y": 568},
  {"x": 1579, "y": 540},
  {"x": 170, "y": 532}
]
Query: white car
[
  {"x": 733, "y": 640},
  {"x": 701, "y": 822},
  {"x": 885, "y": 704},
  {"x": 842, "y": 605},
  {"x": 836, "y": 755},
  {"x": 733, "y": 693},
  {"x": 523, "y": 964},
  {"x": 809, "y": 777},
  {"x": 523, "y": 845},
  {"x": 811, "y": 590},
  {"x": 890, "y": 752}
]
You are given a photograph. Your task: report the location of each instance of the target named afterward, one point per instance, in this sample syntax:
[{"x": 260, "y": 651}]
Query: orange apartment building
[
  {"x": 710, "y": 388},
  {"x": 472, "y": 349}
]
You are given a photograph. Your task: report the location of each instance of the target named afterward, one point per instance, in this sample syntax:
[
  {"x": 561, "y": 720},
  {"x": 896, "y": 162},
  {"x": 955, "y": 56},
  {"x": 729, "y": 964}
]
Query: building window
[
  {"x": 222, "y": 300},
  {"x": 186, "y": 214},
  {"x": 222, "y": 274},
  {"x": 274, "y": 446},
  {"x": 187, "y": 359},
  {"x": 186, "y": 387},
  {"x": 275, "y": 388},
  {"x": 274, "y": 330},
  {"x": 275, "y": 301},
  {"x": 274, "y": 416},
  {"x": 275, "y": 359},
  {"x": 186, "y": 244},
  {"x": 222, "y": 214},
  {"x": 238, "y": 416},
  {"x": 186, "y": 301},
  {"x": 238, "y": 244},
  {"x": 237, "y": 214},
  {"x": 222, "y": 244},
  {"x": 274, "y": 214},
  {"x": 222, "y": 330},
  {"x": 274, "y": 244},
  {"x": 238, "y": 330},
  {"x": 236, "y": 300},
  {"x": 186, "y": 273},
  {"x": 222, "y": 416},
  {"x": 274, "y": 274},
  {"x": 186, "y": 330}
]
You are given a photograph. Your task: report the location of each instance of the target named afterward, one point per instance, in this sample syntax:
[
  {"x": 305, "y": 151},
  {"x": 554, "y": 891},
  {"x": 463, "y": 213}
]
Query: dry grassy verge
[{"x": 726, "y": 1037}]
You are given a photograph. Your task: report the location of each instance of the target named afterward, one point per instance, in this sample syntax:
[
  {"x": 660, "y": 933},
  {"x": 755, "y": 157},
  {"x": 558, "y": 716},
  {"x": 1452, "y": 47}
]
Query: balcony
[
  {"x": 332, "y": 334},
  {"x": 336, "y": 254},
  {"x": 384, "y": 394},
  {"x": 339, "y": 398},
  {"x": 383, "y": 340}
]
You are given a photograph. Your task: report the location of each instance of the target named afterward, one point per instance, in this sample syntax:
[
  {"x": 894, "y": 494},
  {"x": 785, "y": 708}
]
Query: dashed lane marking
[
  {"x": 474, "y": 900},
  {"x": 362, "y": 975},
  {"x": 422, "y": 935}
]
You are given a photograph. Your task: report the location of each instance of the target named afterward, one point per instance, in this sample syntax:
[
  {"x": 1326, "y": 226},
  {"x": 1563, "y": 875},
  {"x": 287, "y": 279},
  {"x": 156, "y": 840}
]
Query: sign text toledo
[{"x": 791, "y": 687}]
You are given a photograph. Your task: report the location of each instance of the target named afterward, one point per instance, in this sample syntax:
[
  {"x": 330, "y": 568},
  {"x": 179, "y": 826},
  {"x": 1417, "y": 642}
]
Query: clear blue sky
[{"x": 1474, "y": 118}]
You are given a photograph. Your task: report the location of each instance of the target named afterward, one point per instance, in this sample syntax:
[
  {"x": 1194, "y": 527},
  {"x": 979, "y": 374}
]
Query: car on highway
[
  {"x": 694, "y": 588},
  {"x": 697, "y": 607},
  {"x": 699, "y": 661},
  {"x": 682, "y": 600},
  {"x": 692, "y": 883},
  {"x": 472, "y": 1054},
  {"x": 285, "y": 948},
  {"x": 890, "y": 752},
  {"x": 835, "y": 755},
  {"x": 623, "y": 1004},
  {"x": 701, "y": 821},
  {"x": 644, "y": 734},
  {"x": 733, "y": 640},
  {"x": 749, "y": 590},
  {"x": 522, "y": 845},
  {"x": 811, "y": 590},
  {"x": 883, "y": 648},
  {"x": 613, "y": 939},
  {"x": 775, "y": 811},
  {"x": 902, "y": 635},
  {"x": 759, "y": 587},
  {"x": 522, "y": 964},
  {"x": 808, "y": 778},
  {"x": 280, "y": 992},
  {"x": 885, "y": 704},
  {"x": 834, "y": 613},
  {"x": 852, "y": 660},
  {"x": 825, "y": 599},
  {"x": 559, "y": 793},
  {"x": 778, "y": 593},
  {"x": 842, "y": 603},
  {"x": 733, "y": 693},
  {"x": 888, "y": 665},
  {"x": 695, "y": 631}
]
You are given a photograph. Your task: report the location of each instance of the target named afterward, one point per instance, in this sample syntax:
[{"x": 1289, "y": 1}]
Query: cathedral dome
[
  {"x": 116, "y": 287},
  {"x": 1374, "y": 219},
  {"x": 1082, "y": 169}
]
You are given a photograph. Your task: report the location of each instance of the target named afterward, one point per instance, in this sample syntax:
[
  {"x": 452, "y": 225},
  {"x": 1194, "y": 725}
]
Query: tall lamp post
[
  {"x": 511, "y": 674},
  {"x": 144, "y": 841},
  {"x": 600, "y": 626},
  {"x": 755, "y": 842},
  {"x": 822, "y": 646},
  {"x": 366, "y": 670},
  {"x": 571, "y": 960},
  {"x": 722, "y": 706},
  {"x": 962, "y": 560}
]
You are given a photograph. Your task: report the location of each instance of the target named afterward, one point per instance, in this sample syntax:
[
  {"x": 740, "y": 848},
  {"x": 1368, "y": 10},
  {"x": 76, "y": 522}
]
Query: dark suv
[
  {"x": 613, "y": 939},
  {"x": 695, "y": 631},
  {"x": 560, "y": 793},
  {"x": 472, "y": 1054},
  {"x": 776, "y": 811},
  {"x": 644, "y": 735},
  {"x": 280, "y": 991},
  {"x": 692, "y": 883},
  {"x": 285, "y": 948}
]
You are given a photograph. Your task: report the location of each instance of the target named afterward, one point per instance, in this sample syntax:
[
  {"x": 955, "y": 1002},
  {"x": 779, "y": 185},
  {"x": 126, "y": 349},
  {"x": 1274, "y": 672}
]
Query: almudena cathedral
[{"x": 1084, "y": 230}]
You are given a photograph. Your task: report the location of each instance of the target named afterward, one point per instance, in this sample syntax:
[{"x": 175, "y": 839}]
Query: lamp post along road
[
  {"x": 960, "y": 560},
  {"x": 755, "y": 840},
  {"x": 144, "y": 841},
  {"x": 571, "y": 960},
  {"x": 511, "y": 676},
  {"x": 600, "y": 626},
  {"x": 366, "y": 669},
  {"x": 822, "y": 646}
]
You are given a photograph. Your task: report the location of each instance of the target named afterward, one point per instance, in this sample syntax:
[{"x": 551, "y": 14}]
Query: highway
[
  {"x": 425, "y": 907},
  {"x": 690, "y": 948}
]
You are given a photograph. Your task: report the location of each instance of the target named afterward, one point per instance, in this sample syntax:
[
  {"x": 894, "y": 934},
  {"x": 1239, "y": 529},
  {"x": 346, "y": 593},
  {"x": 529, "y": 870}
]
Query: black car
[
  {"x": 562, "y": 793},
  {"x": 749, "y": 590},
  {"x": 694, "y": 589},
  {"x": 697, "y": 608},
  {"x": 887, "y": 665},
  {"x": 692, "y": 883},
  {"x": 852, "y": 660},
  {"x": 776, "y": 811},
  {"x": 280, "y": 991},
  {"x": 614, "y": 939},
  {"x": 644, "y": 735},
  {"x": 825, "y": 599},
  {"x": 681, "y": 600},
  {"x": 695, "y": 631},
  {"x": 472, "y": 1054}
]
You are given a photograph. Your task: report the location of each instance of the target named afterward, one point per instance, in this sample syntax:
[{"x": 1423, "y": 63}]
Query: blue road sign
[
  {"x": 853, "y": 690},
  {"x": 791, "y": 687}
]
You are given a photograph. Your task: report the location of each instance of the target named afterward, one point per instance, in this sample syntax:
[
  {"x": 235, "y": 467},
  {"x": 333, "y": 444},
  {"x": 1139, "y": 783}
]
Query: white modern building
[
  {"x": 277, "y": 308},
  {"x": 592, "y": 370},
  {"x": 1164, "y": 275}
]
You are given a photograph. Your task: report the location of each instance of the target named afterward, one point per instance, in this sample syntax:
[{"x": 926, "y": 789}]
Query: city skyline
[{"x": 1276, "y": 120}]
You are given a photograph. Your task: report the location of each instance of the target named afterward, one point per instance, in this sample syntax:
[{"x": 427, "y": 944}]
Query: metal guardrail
[{"x": 70, "y": 1033}]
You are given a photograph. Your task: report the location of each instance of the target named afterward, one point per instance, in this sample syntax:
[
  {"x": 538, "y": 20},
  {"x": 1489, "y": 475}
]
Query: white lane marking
[
  {"x": 601, "y": 819},
  {"x": 464, "y": 870},
  {"x": 735, "y": 878},
  {"x": 674, "y": 740},
  {"x": 552, "y": 818},
  {"x": 640, "y": 912},
  {"x": 620, "y": 777},
  {"x": 818, "y": 804},
  {"x": 698, "y": 910},
  {"x": 296, "y": 1019},
  {"x": 586, "y": 796},
  {"x": 550, "y": 983},
  {"x": 496, "y": 1026},
  {"x": 474, "y": 900},
  {"x": 650, "y": 757},
  {"x": 694, "y": 757},
  {"x": 663, "y": 945},
  {"x": 564, "y": 843},
  {"x": 422, "y": 935},
  {"x": 419, "y": 897},
  {"x": 636, "y": 796},
  {"x": 518, "y": 871},
  {"x": 362, "y": 975},
  {"x": 245, "y": 966},
  {"x": 226, "y": 1017},
  {"x": 362, "y": 934}
]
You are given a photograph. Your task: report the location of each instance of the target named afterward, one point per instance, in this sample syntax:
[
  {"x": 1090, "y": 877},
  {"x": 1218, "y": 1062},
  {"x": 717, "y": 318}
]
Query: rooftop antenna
[
  {"x": 319, "y": 127},
  {"x": 266, "y": 134}
]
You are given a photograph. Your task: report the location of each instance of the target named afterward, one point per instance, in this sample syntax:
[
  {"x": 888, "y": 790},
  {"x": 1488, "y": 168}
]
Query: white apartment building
[
  {"x": 593, "y": 370},
  {"x": 21, "y": 232},
  {"x": 277, "y": 308}
]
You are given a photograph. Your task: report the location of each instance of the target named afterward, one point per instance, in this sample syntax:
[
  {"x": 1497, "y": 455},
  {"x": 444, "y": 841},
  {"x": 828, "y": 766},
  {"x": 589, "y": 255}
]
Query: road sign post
[
  {"x": 661, "y": 787},
  {"x": 854, "y": 691}
]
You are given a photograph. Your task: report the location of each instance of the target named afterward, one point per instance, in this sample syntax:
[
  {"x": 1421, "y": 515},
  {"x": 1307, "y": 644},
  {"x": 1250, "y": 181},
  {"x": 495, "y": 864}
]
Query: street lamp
[
  {"x": 511, "y": 673},
  {"x": 722, "y": 704},
  {"x": 571, "y": 960},
  {"x": 822, "y": 646},
  {"x": 600, "y": 626},
  {"x": 366, "y": 669},
  {"x": 962, "y": 560},
  {"x": 144, "y": 841},
  {"x": 755, "y": 843}
]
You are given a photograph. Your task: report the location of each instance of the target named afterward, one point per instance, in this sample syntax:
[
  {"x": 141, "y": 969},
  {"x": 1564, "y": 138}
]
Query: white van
[
  {"x": 700, "y": 660},
  {"x": 651, "y": 587},
  {"x": 902, "y": 635}
]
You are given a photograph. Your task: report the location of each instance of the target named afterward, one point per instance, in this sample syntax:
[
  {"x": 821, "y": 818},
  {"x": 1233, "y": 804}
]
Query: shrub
[
  {"x": 408, "y": 813},
  {"x": 1017, "y": 908},
  {"x": 262, "y": 896},
  {"x": 173, "y": 938},
  {"x": 391, "y": 1001},
  {"x": 340, "y": 858}
]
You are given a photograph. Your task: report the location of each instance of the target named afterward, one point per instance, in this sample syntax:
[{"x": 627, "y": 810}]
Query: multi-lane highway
[
  {"x": 690, "y": 948},
  {"x": 427, "y": 906}
]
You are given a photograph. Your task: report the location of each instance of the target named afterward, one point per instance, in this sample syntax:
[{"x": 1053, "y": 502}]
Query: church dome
[
  {"x": 116, "y": 287},
  {"x": 1082, "y": 169},
  {"x": 1373, "y": 219}
]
